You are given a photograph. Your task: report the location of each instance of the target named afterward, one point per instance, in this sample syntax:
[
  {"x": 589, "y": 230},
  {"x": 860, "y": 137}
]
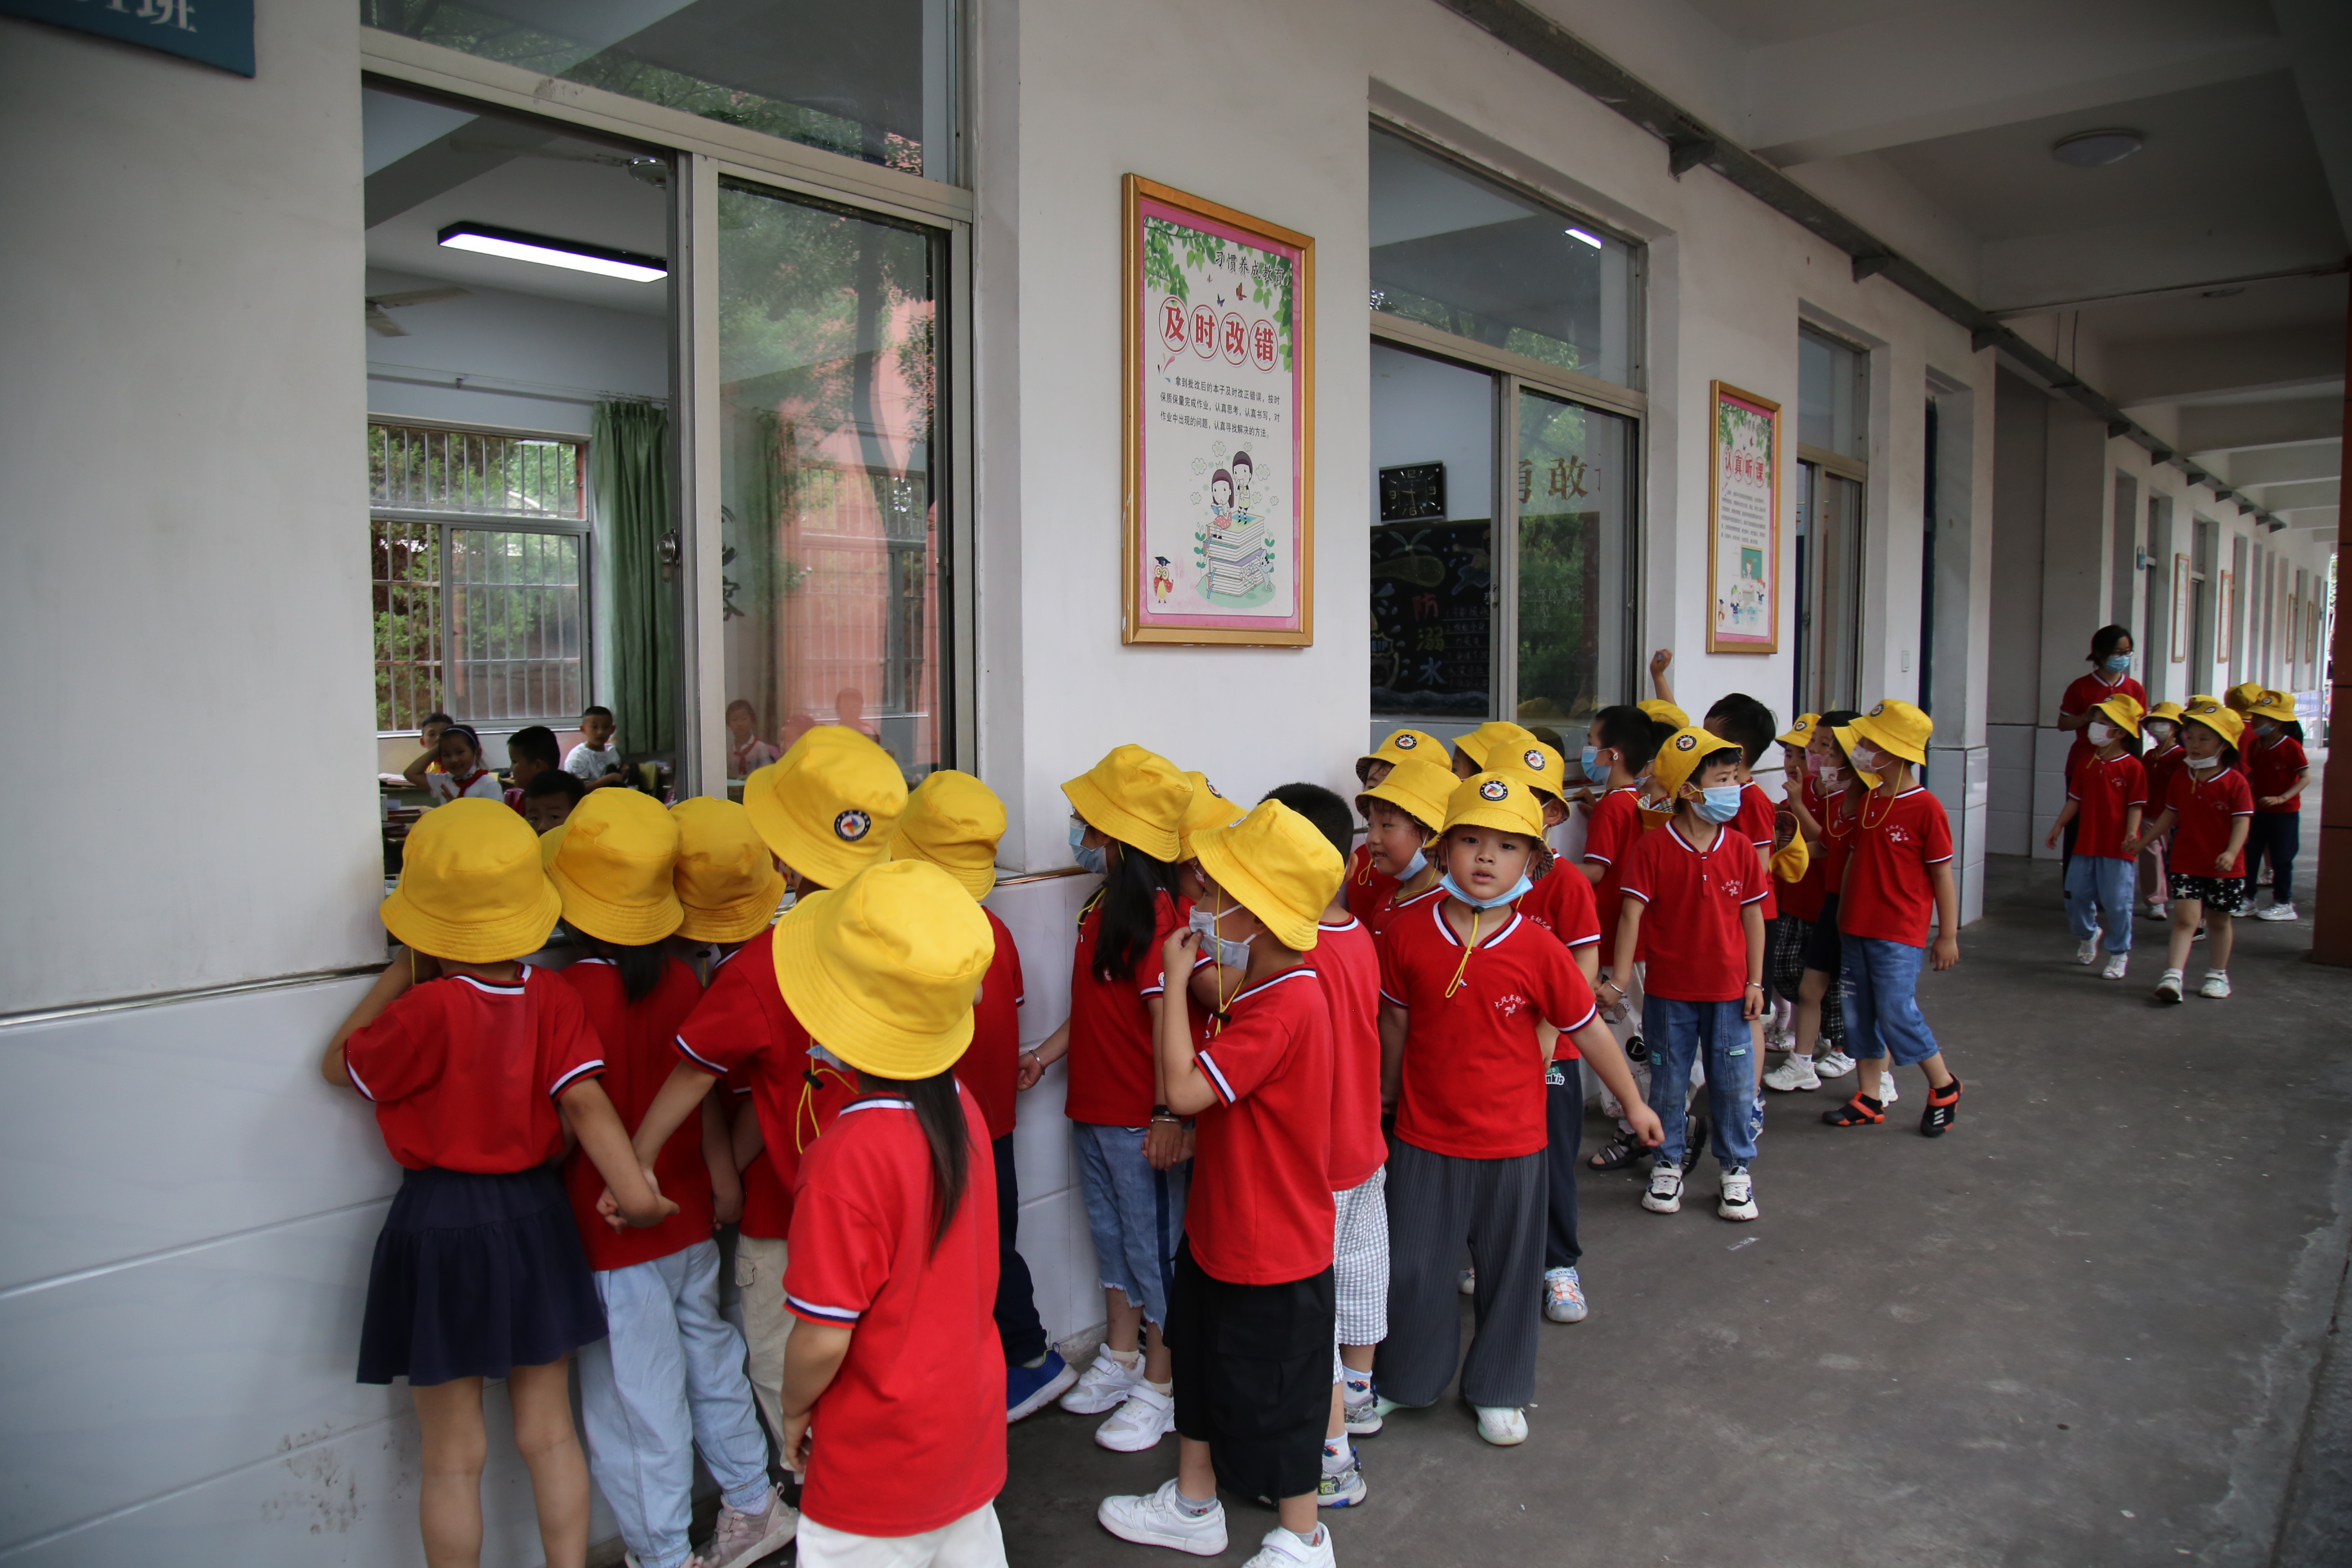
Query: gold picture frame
[{"x": 1743, "y": 472}]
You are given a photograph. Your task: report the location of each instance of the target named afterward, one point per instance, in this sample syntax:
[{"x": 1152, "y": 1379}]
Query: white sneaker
[
  {"x": 744, "y": 1538},
  {"x": 1797, "y": 1072},
  {"x": 1833, "y": 1063},
  {"x": 1666, "y": 1194},
  {"x": 1139, "y": 1423},
  {"x": 2276, "y": 912},
  {"x": 2217, "y": 984},
  {"x": 2117, "y": 963},
  {"x": 1281, "y": 1548},
  {"x": 1888, "y": 1091},
  {"x": 1342, "y": 1488},
  {"x": 1503, "y": 1426},
  {"x": 2087, "y": 948},
  {"x": 2167, "y": 989},
  {"x": 1563, "y": 1296},
  {"x": 1104, "y": 1385},
  {"x": 1739, "y": 1195},
  {"x": 1156, "y": 1520},
  {"x": 1466, "y": 1282}
]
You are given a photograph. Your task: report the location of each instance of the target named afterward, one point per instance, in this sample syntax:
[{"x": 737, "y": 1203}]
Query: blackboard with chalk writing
[{"x": 1432, "y": 618}]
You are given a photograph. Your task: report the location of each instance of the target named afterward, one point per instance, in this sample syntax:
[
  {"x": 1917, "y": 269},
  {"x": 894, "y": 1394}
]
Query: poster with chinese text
[
  {"x": 1743, "y": 522},
  {"x": 1220, "y": 414}
]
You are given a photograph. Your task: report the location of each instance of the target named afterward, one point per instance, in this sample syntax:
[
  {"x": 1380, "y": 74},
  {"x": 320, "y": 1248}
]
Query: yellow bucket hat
[
  {"x": 2166, "y": 711},
  {"x": 828, "y": 807},
  {"x": 2276, "y": 705},
  {"x": 1896, "y": 728},
  {"x": 1681, "y": 755},
  {"x": 882, "y": 969},
  {"x": 1801, "y": 733},
  {"x": 2223, "y": 722},
  {"x": 1420, "y": 788},
  {"x": 1500, "y": 801},
  {"x": 1661, "y": 711},
  {"x": 471, "y": 888},
  {"x": 727, "y": 880},
  {"x": 613, "y": 865},
  {"x": 953, "y": 821},
  {"x": 2125, "y": 709},
  {"x": 1402, "y": 745},
  {"x": 1491, "y": 743},
  {"x": 2240, "y": 698},
  {"x": 1137, "y": 797},
  {"x": 1278, "y": 866},
  {"x": 1208, "y": 808},
  {"x": 1536, "y": 765}
]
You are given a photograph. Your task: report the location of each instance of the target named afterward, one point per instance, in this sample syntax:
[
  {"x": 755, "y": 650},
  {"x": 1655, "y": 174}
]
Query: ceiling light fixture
[
  {"x": 578, "y": 255},
  {"x": 2096, "y": 149},
  {"x": 1591, "y": 239}
]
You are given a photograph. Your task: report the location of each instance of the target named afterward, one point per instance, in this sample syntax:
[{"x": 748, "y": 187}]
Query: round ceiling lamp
[{"x": 2096, "y": 149}]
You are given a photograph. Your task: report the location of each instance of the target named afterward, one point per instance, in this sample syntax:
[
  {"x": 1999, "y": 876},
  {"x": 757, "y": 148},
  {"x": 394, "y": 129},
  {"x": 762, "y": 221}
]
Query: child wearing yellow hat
[
  {"x": 2277, "y": 771},
  {"x": 1367, "y": 884},
  {"x": 1401, "y": 812},
  {"x": 1619, "y": 748},
  {"x": 1824, "y": 802},
  {"x": 1126, "y": 823},
  {"x": 2111, "y": 661},
  {"x": 1491, "y": 744},
  {"x": 476, "y": 1066},
  {"x": 1251, "y": 1317},
  {"x": 2163, "y": 761},
  {"x": 2209, "y": 814},
  {"x": 1466, "y": 983},
  {"x": 894, "y": 1381},
  {"x": 2104, "y": 803},
  {"x": 1898, "y": 872},
  {"x": 669, "y": 1378}
]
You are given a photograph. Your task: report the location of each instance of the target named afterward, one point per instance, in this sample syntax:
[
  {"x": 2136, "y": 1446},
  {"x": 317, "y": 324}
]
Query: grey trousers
[{"x": 1436, "y": 1202}]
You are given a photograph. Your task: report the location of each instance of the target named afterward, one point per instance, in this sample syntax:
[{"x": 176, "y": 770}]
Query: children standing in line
[
  {"x": 1252, "y": 1317},
  {"x": 1698, "y": 887},
  {"x": 1466, "y": 981},
  {"x": 955, "y": 822},
  {"x": 2162, "y": 760},
  {"x": 1128, "y": 814},
  {"x": 1899, "y": 869},
  {"x": 2277, "y": 770},
  {"x": 1825, "y": 805},
  {"x": 2209, "y": 813},
  {"x": 2103, "y": 807},
  {"x": 476, "y": 1065},
  {"x": 530, "y": 752},
  {"x": 2111, "y": 658},
  {"x": 1619, "y": 749},
  {"x": 595, "y": 760},
  {"x": 894, "y": 1379},
  {"x": 669, "y": 1378},
  {"x": 1369, "y": 882}
]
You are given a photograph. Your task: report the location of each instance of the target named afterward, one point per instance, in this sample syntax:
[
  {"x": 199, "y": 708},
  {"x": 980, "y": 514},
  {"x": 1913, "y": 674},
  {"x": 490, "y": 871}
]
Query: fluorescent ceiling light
[
  {"x": 1591, "y": 239},
  {"x": 2098, "y": 149},
  {"x": 488, "y": 240}
]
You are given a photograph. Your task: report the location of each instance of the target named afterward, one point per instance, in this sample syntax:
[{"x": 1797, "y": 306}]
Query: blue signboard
[{"x": 216, "y": 32}]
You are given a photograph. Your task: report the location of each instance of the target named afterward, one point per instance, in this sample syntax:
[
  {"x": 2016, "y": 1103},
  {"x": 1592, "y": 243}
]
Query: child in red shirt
[
  {"x": 1252, "y": 1316},
  {"x": 1697, "y": 886},
  {"x": 1898, "y": 871},
  {"x": 2104, "y": 802},
  {"x": 1823, "y": 799},
  {"x": 2277, "y": 770},
  {"x": 894, "y": 1381},
  {"x": 1401, "y": 814},
  {"x": 477, "y": 1068},
  {"x": 2111, "y": 660},
  {"x": 1466, "y": 981},
  {"x": 1618, "y": 751},
  {"x": 1366, "y": 883},
  {"x": 2208, "y": 814},
  {"x": 669, "y": 1377},
  {"x": 2162, "y": 759}
]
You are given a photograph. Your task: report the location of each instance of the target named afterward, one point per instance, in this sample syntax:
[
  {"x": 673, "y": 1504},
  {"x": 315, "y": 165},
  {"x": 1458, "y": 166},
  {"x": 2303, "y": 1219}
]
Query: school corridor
[{"x": 2084, "y": 1327}]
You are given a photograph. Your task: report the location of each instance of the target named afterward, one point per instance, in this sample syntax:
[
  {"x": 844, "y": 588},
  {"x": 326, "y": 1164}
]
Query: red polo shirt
[
  {"x": 637, "y": 1061},
  {"x": 1802, "y": 898},
  {"x": 1692, "y": 929},
  {"x": 1609, "y": 838},
  {"x": 1260, "y": 1211},
  {"x": 910, "y": 1435},
  {"x": 465, "y": 1073},
  {"x": 2271, "y": 767},
  {"x": 2207, "y": 811},
  {"x": 2161, "y": 768},
  {"x": 2083, "y": 693},
  {"x": 990, "y": 1065},
  {"x": 1473, "y": 1079},
  {"x": 1758, "y": 816},
  {"x": 1349, "y": 960},
  {"x": 1366, "y": 885},
  {"x": 1890, "y": 894},
  {"x": 2104, "y": 789},
  {"x": 1561, "y": 902},
  {"x": 1111, "y": 1079}
]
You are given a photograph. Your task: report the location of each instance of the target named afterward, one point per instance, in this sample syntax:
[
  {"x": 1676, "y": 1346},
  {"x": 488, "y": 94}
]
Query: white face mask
[
  {"x": 2202, "y": 764},
  {"x": 2097, "y": 733},
  {"x": 2158, "y": 729},
  {"x": 1230, "y": 954}
]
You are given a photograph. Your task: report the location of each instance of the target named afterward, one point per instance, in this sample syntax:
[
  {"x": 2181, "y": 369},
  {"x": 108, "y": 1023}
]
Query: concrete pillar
[
  {"x": 2331, "y": 915},
  {"x": 2021, "y": 435},
  {"x": 2078, "y": 499},
  {"x": 1959, "y": 761}
]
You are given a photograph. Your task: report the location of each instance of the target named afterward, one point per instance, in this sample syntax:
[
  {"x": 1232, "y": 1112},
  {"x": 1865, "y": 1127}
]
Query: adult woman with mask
[{"x": 2111, "y": 660}]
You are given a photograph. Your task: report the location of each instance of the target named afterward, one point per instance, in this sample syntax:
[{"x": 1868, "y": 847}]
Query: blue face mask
[
  {"x": 1595, "y": 769},
  {"x": 1090, "y": 858},
  {"x": 1518, "y": 892},
  {"x": 1718, "y": 802},
  {"x": 2119, "y": 662},
  {"x": 1415, "y": 868}
]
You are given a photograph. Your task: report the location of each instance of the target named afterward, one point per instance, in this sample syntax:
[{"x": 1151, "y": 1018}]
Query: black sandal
[{"x": 1619, "y": 1153}]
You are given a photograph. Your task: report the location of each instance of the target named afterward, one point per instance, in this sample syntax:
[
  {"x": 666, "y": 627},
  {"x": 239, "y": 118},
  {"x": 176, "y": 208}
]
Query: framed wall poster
[
  {"x": 1743, "y": 522},
  {"x": 1220, "y": 417},
  {"x": 2180, "y": 628}
]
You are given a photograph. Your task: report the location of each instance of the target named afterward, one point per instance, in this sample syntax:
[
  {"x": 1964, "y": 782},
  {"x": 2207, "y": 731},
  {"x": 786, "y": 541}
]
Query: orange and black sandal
[
  {"x": 1943, "y": 1110},
  {"x": 1860, "y": 1111}
]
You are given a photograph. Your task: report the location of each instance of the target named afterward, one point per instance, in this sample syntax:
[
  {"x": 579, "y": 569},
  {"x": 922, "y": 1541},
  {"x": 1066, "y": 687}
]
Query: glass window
[
  {"x": 1833, "y": 397},
  {"x": 1433, "y": 550},
  {"x": 870, "y": 81},
  {"x": 1575, "y": 506},
  {"x": 1471, "y": 256},
  {"x": 1829, "y": 589},
  {"x": 831, "y": 476}
]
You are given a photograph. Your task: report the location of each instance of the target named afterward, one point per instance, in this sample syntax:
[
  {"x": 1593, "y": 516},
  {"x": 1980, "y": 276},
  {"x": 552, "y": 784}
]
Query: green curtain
[{"x": 628, "y": 473}]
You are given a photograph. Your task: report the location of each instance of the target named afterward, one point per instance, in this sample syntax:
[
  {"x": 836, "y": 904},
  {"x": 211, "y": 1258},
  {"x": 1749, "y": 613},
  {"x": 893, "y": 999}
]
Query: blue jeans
[
  {"x": 1678, "y": 1032},
  {"x": 2099, "y": 897},
  {"x": 1882, "y": 1004},
  {"x": 1017, "y": 1326},
  {"x": 1136, "y": 1214},
  {"x": 669, "y": 1379}
]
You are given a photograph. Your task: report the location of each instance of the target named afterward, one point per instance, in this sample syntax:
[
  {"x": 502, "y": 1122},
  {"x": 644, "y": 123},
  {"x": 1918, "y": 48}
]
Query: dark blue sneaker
[{"x": 1028, "y": 1389}]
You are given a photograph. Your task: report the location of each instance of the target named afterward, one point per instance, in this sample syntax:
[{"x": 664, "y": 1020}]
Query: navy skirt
[{"x": 475, "y": 1276}]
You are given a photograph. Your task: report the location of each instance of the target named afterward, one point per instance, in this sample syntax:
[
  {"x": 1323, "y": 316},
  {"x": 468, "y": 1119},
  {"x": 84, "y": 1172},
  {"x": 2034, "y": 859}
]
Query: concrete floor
[{"x": 2083, "y": 1327}]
